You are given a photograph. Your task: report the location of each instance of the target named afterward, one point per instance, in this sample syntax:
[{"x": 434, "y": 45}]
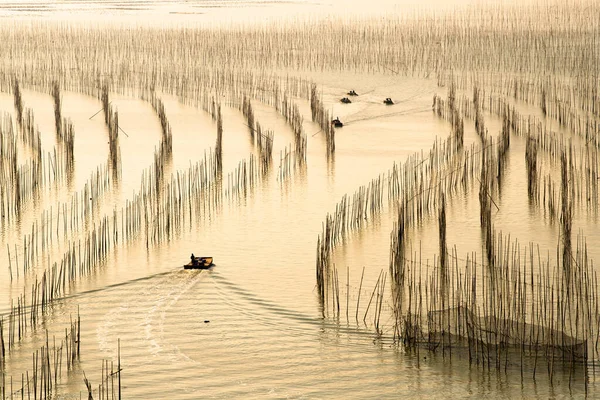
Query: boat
[
  {"x": 337, "y": 123},
  {"x": 388, "y": 101},
  {"x": 352, "y": 93},
  {"x": 200, "y": 263},
  {"x": 345, "y": 100}
]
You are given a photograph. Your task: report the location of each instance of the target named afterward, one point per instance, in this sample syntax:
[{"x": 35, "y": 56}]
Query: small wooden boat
[
  {"x": 337, "y": 123},
  {"x": 346, "y": 100},
  {"x": 388, "y": 101},
  {"x": 200, "y": 263},
  {"x": 352, "y": 93}
]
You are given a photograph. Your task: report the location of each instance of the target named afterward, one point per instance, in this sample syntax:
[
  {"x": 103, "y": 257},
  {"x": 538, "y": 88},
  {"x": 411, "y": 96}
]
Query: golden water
[{"x": 251, "y": 327}]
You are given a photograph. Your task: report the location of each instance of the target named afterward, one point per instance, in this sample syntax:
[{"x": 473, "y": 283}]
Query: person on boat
[{"x": 194, "y": 260}]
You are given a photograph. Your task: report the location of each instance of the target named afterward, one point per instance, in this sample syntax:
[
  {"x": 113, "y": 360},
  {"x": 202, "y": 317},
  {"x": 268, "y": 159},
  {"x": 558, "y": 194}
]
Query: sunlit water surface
[{"x": 251, "y": 327}]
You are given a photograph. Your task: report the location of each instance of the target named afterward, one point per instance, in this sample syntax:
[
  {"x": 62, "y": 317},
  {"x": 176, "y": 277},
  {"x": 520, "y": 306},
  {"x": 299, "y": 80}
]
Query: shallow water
[{"x": 252, "y": 326}]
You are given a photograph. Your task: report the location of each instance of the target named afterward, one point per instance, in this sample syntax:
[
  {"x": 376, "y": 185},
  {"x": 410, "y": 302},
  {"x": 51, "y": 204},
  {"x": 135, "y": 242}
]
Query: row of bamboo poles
[
  {"x": 291, "y": 85},
  {"x": 61, "y": 224},
  {"x": 82, "y": 256},
  {"x": 290, "y": 160},
  {"x": 450, "y": 42},
  {"x": 25, "y": 175},
  {"x": 96, "y": 244},
  {"x": 47, "y": 365},
  {"x": 523, "y": 308},
  {"x": 508, "y": 307},
  {"x": 65, "y": 133},
  {"x": 418, "y": 182},
  {"x": 549, "y": 145},
  {"x": 80, "y": 260},
  {"x": 320, "y": 115},
  {"x": 166, "y": 144},
  {"x": 111, "y": 119},
  {"x": 70, "y": 223}
]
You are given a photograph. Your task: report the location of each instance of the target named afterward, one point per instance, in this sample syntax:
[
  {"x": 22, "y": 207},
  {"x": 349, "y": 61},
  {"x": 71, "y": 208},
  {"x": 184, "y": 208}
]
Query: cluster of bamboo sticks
[
  {"x": 68, "y": 221},
  {"x": 264, "y": 141},
  {"x": 532, "y": 170},
  {"x": 413, "y": 187},
  {"x": 111, "y": 118},
  {"x": 521, "y": 309},
  {"x": 454, "y": 41},
  {"x": 569, "y": 103},
  {"x": 488, "y": 316},
  {"x": 219, "y": 142},
  {"x": 166, "y": 144},
  {"x": 248, "y": 113},
  {"x": 156, "y": 213},
  {"x": 293, "y": 117},
  {"x": 544, "y": 147},
  {"x": 321, "y": 116},
  {"x": 47, "y": 366},
  {"x": 508, "y": 305},
  {"x": 288, "y": 163},
  {"x": 332, "y": 307},
  {"x": 165, "y": 205},
  {"x": 23, "y": 182},
  {"x": 47, "y": 369},
  {"x": 290, "y": 160},
  {"x": 486, "y": 182},
  {"x": 398, "y": 248},
  {"x": 65, "y": 133},
  {"x": 439, "y": 45},
  {"x": 245, "y": 177},
  {"x": 566, "y": 215},
  {"x": 107, "y": 388},
  {"x": 18, "y": 100},
  {"x": 79, "y": 259},
  {"x": 453, "y": 113},
  {"x": 57, "y": 109}
]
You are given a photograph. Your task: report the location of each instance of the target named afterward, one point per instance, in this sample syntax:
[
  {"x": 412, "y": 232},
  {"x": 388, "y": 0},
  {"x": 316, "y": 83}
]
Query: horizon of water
[{"x": 161, "y": 13}]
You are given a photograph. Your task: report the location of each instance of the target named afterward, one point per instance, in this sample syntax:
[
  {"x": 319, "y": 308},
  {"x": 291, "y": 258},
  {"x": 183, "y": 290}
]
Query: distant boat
[
  {"x": 352, "y": 93},
  {"x": 346, "y": 100},
  {"x": 200, "y": 263},
  {"x": 337, "y": 123},
  {"x": 388, "y": 101}
]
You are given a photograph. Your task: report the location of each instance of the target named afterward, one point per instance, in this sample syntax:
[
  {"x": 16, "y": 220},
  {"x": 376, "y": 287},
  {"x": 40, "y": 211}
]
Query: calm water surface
[{"x": 252, "y": 327}]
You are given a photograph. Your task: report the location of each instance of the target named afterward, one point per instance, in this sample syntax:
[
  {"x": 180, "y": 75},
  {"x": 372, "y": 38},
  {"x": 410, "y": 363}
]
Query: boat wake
[
  {"x": 141, "y": 313},
  {"x": 267, "y": 312}
]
